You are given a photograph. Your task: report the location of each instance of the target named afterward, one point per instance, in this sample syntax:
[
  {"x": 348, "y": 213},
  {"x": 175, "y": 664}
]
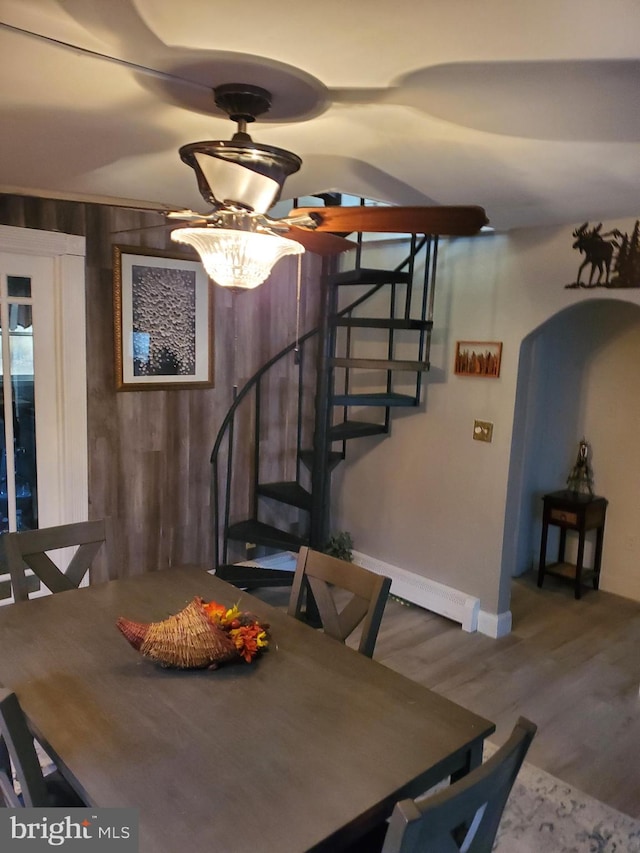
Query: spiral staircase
[{"x": 366, "y": 359}]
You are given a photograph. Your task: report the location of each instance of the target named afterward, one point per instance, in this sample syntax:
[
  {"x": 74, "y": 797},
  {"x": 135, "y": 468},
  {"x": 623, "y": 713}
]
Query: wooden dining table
[{"x": 306, "y": 748}]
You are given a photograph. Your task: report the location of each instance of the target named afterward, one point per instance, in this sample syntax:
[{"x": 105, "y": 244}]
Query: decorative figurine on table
[{"x": 580, "y": 480}]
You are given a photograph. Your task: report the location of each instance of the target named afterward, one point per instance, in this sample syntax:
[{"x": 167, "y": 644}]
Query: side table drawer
[{"x": 563, "y": 516}]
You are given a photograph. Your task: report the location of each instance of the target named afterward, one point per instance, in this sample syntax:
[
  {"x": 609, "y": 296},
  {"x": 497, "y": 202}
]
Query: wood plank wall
[{"x": 149, "y": 450}]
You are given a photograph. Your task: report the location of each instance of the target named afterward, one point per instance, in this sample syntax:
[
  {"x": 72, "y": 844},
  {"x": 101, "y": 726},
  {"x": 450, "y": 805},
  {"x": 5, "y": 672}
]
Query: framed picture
[
  {"x": 163, "y": 320},
  {"x": 478, "y": 358}
]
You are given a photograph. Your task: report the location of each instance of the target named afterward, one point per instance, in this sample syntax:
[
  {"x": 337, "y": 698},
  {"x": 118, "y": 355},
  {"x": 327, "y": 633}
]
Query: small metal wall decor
[
  {"x": 610, "y": 260},
  {"x": 580, "y": 480}
]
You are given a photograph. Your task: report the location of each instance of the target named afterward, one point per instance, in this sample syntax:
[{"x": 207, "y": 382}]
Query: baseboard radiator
[
  {"x": 433, "y": 596},
  {"x": 436, "y": 597}
]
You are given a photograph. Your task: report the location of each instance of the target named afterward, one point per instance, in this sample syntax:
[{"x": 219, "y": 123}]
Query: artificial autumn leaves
[
  {"x": 203, "y": 634},
  {"x": 249, "y": 636}
]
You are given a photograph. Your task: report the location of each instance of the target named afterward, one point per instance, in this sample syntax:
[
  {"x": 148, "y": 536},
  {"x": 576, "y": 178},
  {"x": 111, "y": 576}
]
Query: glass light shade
[
  {"x": 237, "y": 259},
  {"x": 245, "y": 174},
  {"x": 237, "y": 185}
]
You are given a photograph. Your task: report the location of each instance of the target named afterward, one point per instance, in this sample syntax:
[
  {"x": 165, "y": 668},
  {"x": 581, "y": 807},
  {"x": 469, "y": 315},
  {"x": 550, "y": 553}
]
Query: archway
[{"x": 578, "y": 374}]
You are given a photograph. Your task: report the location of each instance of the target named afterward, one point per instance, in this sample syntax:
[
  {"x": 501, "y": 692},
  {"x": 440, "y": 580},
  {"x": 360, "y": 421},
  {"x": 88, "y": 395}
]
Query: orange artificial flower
[
  {"x": 249, "y": 639},
  {"x": 248, "y": 635},
  {"x": 213, "y": 609}
]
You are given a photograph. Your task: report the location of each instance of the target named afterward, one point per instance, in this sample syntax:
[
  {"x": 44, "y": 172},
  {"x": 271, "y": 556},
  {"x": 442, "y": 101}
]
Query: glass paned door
[
  {"x": 18, "y": 478},
  {"x": 43, "y": 439}
]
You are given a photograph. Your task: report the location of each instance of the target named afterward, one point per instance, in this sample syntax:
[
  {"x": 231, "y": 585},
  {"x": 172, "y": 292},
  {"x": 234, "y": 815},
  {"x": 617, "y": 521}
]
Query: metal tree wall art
[
  {"x": 613, "y": 255},
  {"x": 580, "y": 479}
]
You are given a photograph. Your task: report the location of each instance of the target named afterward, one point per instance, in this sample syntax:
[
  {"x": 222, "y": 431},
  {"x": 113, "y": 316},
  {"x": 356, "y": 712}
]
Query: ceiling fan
[{"x": 242, "y": 179}]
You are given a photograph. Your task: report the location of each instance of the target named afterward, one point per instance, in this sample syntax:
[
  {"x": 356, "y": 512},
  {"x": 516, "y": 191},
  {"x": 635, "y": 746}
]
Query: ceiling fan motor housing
[{"x": 242, "y": 101}]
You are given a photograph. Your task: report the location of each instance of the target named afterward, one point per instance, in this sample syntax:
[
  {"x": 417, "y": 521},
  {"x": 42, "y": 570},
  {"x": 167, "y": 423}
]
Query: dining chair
[
  {"x": 466, "y": 815},
  {"x": 28, "y": 549},
  {"x": 321, "y": 573},
  {"x": 17, "y": 748}
]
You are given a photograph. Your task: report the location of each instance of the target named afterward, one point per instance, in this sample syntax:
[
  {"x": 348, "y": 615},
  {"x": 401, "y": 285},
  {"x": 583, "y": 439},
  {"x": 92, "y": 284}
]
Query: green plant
[{"x": 340, "y": 545}]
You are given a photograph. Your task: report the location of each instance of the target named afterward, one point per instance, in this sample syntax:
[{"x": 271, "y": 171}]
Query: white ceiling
[{"x": 531, "y": 110}]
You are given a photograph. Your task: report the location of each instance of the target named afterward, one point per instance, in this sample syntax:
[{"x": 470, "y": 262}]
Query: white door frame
[{"x": 64, "y": 441}]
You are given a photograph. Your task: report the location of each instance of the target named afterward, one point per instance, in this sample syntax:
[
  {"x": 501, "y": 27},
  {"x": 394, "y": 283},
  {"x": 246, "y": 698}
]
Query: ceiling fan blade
[
  {"x": 320, "y": 243},
  {"x": 107, "y": 57},
  {"x": 140, "y": 228},
  {"x": 192, "y": 216},
  {"x": 457, "y": 220}
]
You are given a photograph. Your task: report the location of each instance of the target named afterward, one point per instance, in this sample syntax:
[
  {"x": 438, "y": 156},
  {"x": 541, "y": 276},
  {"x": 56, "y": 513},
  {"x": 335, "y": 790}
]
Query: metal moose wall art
[{"x": 611, "y": 259}]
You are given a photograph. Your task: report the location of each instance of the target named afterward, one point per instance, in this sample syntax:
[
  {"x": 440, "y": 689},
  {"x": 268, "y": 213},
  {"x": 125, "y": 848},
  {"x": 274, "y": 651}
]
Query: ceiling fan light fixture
[
  {"x": 244, "y": 174},
  {"x": 237, "y": 259}
]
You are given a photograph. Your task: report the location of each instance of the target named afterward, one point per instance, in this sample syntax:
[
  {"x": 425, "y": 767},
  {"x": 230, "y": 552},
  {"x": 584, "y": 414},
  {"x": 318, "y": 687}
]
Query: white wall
[
  {"x": 611, "y": 406},
  {"x": 432, "y": 500}
]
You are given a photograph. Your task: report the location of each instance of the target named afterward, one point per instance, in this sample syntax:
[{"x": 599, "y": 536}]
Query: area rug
[{"x": 545, "y": 815}]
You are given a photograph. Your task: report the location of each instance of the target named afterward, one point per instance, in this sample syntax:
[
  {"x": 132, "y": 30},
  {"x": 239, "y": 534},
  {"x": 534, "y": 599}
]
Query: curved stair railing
[{"x": 339, "y": 365}]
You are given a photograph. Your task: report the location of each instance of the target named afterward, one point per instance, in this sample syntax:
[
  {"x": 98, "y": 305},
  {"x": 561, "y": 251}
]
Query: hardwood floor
[{"x": 573, "y": 667}]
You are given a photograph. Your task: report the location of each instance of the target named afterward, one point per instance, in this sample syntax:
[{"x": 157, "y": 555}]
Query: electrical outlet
[{"x": 482, "y": 430}]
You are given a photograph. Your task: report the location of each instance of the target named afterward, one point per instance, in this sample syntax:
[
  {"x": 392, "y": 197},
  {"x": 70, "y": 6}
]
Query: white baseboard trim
[
  {"x": 494, "y": 625},
  {"x": 433, "y": 596}
]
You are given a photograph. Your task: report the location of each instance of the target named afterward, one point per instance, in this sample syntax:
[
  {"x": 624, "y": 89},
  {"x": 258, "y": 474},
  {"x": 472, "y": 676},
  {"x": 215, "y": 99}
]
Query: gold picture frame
[{"x": 163, "y": 320}]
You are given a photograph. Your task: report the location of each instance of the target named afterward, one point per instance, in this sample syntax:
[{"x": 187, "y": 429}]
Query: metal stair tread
[
  {"x": 355, "y": 429},
  {"x": 380, "y": 364},
  {"x": 383, "y": 323},
  {"x": 306, "y": 456},
  {"x": 253, "y": 577},
  {"x": 252, "y": 530},
  {"x": 366, "y": 275},
  {"x": 291, "y": 493},
  {"x": 382, "y": 398}
]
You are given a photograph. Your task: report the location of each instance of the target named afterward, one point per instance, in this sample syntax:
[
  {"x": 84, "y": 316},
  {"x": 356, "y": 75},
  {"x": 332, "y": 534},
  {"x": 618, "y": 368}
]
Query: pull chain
[{"x": 234, "y": 312}]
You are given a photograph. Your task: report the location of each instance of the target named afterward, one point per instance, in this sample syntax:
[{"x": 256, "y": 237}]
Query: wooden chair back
[
  {"x": 466, "y": 815},
  {"x": 17, "y": 747},
  {"x": 319, "y": 573},
  {"x": 16, "y": 742},
  {"x": 28, "y": 549}
]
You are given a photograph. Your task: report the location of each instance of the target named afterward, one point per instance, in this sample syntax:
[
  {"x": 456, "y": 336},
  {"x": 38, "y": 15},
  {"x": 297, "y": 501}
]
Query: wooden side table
[{"x": 573, "y": 511}]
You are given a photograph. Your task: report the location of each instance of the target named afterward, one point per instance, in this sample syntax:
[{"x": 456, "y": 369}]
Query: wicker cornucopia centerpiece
[{"x": 204, "y": 634}]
